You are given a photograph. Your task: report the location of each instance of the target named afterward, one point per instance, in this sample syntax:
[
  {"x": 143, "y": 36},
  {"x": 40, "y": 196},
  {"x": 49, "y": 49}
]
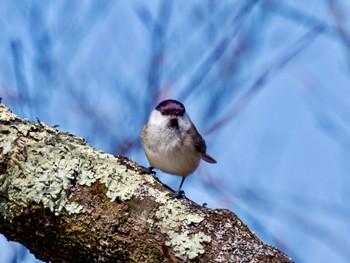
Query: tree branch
[{"x": 68, "y": 202}]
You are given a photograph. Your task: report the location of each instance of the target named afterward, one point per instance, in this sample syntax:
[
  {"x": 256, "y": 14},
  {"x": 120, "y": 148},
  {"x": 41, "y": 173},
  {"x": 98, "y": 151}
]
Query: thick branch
[{"x": 68, "y": 202}]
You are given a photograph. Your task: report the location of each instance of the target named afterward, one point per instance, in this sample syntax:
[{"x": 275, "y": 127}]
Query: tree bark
[{"x": 68, "y": 202}]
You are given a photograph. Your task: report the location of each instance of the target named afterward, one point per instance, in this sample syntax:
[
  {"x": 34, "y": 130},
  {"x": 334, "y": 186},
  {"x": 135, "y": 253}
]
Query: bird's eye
[{"x": 162, "y": 112}]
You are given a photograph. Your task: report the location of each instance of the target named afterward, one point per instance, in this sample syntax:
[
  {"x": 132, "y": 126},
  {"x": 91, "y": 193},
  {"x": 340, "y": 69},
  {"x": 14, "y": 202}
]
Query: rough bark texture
[{"x": 68, "y": 202}]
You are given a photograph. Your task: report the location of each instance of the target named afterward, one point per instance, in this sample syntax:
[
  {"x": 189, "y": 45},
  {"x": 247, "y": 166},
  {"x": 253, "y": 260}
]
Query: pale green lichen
[
  {"x": 86, "y": 178},
  {"x": 159, "y": 196},
  {"x": 42, "y": 170},
  {"x": 150, "y": 223},
  {"x": 40, "y": 178},
  {"x": 120, "y": 182},
  {"x": 173, "y": 215},
  {"x": 4, "y": 183},
  {"x": 187, "y": 244},
  {"x": 5, "y": 212},
  {"x": 7, "y": 149},
  {"x": 6, "y": 114},
  {"x": 73, "y": 208}
]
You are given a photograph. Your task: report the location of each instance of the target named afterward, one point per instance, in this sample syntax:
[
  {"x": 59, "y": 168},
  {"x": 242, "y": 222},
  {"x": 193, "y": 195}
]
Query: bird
[{"x": 172, "y": 143}]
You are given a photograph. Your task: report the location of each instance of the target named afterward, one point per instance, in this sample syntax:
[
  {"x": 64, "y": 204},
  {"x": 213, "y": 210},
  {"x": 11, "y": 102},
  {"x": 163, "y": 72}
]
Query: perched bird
[{"x": 172, "y": 143}]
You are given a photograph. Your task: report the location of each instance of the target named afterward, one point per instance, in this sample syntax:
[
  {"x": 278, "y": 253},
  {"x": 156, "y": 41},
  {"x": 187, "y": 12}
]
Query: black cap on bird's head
[{"x": 171, "y": 108}]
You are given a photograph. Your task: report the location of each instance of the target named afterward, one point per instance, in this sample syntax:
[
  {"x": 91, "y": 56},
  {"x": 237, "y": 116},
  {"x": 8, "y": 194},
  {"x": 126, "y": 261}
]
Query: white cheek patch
[
  {"x": 185, "y": 122},
  {"x": 156, "y": 118}
]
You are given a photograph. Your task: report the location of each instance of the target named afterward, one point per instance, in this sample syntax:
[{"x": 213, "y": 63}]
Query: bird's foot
[
  {"x": 179, "y": 194},
  {"x": 148, "y": 170}
]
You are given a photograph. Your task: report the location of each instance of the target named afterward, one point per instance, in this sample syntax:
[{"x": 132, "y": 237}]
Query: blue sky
[{"x": 98, "y": 69}]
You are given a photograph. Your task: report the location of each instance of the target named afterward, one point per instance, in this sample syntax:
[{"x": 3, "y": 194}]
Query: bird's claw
[
  {"x": 151, "y": 171},
  {"x": 179, "y": 194},
  {"x": 148, "y": 170}
]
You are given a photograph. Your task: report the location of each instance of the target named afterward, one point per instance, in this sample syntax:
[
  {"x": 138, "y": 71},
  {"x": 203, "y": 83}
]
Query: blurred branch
[
  {"x": 338, "y": 12},
  {"x": 218, "y": 51},
  {"x": 21, "y": 80},
  {"x": 158, "y": 30},
  {"x": 81, "y": 26},
  {"x": 298, "y": 16},
  {"x": 266, "y": 76}
]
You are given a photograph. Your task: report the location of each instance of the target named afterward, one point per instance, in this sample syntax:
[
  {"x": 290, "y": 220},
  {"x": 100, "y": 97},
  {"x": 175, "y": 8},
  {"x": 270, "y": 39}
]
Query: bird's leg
[{"x": 180, "y": 193}]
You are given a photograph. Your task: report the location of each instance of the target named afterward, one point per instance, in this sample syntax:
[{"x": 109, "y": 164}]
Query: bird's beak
[{"x": 173, "y": 121}]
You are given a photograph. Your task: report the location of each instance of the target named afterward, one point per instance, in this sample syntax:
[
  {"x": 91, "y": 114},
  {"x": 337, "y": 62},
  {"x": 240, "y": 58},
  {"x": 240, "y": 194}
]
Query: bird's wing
[{"x": 200, "y": 146}]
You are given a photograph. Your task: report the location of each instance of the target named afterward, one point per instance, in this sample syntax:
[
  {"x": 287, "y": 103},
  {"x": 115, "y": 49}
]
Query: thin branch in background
[
  {"x": 299, "y": 17},
  {"x": 21, "y": 80},
  {"x": 42, "y": 46},
  {"x": 158, "y": 30},
  {"x": 340, "y": 18},
  {"x": 81, "y": 26},
  {"x": 337, "y": 10},
  {"x": 217, "y": 52},
  {"x": 339, "y": 108},
  {"x": 334, "y": 123},
  {"x": 266, "y": 76}
]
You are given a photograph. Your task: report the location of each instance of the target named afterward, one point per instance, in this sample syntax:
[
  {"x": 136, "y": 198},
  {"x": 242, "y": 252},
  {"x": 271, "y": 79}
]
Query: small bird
[{"x": 172, "y": 143}]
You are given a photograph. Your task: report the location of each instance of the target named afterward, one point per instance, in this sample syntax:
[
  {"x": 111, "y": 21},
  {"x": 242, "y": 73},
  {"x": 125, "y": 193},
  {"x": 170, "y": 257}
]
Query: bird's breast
[{"x": 168, "y": 151}]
